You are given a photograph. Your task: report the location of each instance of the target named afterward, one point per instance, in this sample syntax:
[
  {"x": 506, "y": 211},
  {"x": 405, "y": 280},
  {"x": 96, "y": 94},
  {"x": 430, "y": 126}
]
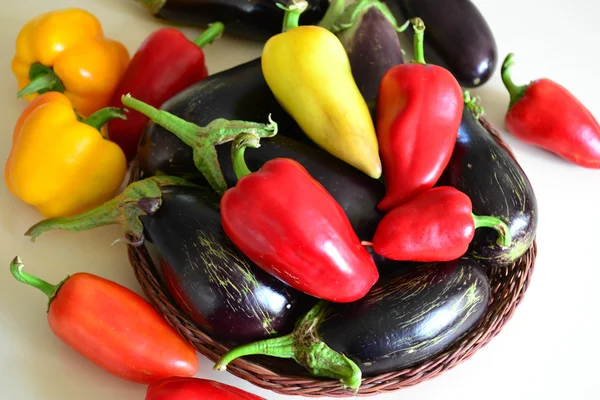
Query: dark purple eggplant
[
  {"x": 218, "y": 287},
  {"x": 369, "y": 34},
  {"x": 409, "y": 316},
  {"x": 496, "y": 184},
  {"x": 162, "y": 153},
  {"x": 252, "y": 19},
  {"x": 457, "y": 37}
]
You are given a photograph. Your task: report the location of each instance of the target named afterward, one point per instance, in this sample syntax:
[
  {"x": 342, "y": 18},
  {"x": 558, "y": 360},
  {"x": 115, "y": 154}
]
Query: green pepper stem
[
  {"x": 419, "y": 28},
  {"x": 306, "y": 348},
  {"x": 212, "y": 33},
  {"x": 334, "y": 12},
  {"x": 504, "y": 236},
  {"x": 43, "y": 79},
  {"x": 138, "y": 199},
  {"x": 238, "y": 148},
  {"x": 153, "y": 6},
  {"x": 515, "y": 92},
  {"x": 98, "y": 119},
  {"x": 16, "y": 269},
  {"x": 203, "y": 140},
  {"x": 291, "y": 18},
  {"x": 353, "y": 13}
]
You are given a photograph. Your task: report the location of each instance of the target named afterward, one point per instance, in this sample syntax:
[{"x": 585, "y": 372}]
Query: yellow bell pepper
[
  {"x": 308, "y": 71},
  {"x": 59, "y": 164},
  {"x": 66, "y": 51}
]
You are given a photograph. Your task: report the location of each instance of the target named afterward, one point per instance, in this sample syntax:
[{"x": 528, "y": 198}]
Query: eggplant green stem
[
  {"x": 203, "y": 140},
  {"x": 16, "y": 269},
  {"x": 504, "y": 236},
  {"x": 515, "y": 92},
  {"x": 238, "y": 148},
  {"x": 419, "y": 28},
  {"x": 352, "y": 14},
  {"x": 306, "y": 348},
  {"x": 153, "y": 6},
  {"x": 140, "y": 198},
  {"x": 334, "y": 12},
  {"x": 98, "y": 119},
  {"x": 472, "y": 103},
  {"x": 291, "y": 18},
  {"x": 212, "y": 33},
  {"x": 43, "y": 79}
]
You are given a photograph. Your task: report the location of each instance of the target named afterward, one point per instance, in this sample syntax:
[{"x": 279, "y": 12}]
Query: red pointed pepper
[
  {"x": 419, "y": 110},
  {"x": 165, "y": 64},
  {"x": 195, "y": 389},
  {"x": 436, "y": 225},
  {"x": 291, "y": 227},
  {"x": 113, "y": 327},
  {"x": 545, "y": 114}
]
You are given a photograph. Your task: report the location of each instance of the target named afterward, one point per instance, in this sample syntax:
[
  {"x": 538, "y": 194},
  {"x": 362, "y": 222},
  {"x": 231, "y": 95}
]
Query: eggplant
[
  {"x": 485, "y": 171},
  {"x": 217, "y": 286},
  {"x": 252, "y": 19},
  {"x": 457, "y": 37},
  {"x": 162, "y": 153},
  {"x": 409, "y": 316},
  {"x": 371, "y": 40}
]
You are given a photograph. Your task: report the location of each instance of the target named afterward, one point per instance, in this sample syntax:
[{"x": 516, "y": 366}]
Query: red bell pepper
[
  {"x": 113, "y": 327},
  {"x": 165, "y": 64},
  {"x": 545, "y": 114},
  {"x": 177, "y": 388},
  {"x": 419, "y": 110},
  {"x": 291, "y": 227},
  {"x": 436, "y": 225}
]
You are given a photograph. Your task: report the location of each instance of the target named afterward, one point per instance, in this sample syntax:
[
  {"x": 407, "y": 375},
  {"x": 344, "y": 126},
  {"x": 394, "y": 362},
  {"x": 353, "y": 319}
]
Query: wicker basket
[{"x": 508, "y": 286}]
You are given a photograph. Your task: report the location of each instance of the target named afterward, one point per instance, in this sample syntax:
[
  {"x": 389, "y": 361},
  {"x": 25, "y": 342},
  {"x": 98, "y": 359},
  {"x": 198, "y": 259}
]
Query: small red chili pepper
[
  {"x": 291, "y": 227},
  {"x": 177, "y": 388},
  {"x": 436, "y": 225},
  {"x": 419, "y": 110},
  {"x": 165, "y": 64},
  {"x": 113, "y": 327},
  {"x": 545, "y": 114}
]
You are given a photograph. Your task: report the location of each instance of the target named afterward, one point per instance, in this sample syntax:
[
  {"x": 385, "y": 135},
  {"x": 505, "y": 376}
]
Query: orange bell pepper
[
  {"x": 60, "y": 163},
  {"x": 66, "y": 51}
]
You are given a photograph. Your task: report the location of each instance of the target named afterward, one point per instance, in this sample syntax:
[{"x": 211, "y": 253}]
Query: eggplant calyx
[
  {"x": 138, "y": 199},
  {"x": 515, "y": 92},
  {"x": 472, "y": 103},
  {"x": 353, "y": 13},
  {"x": 306, "y": 348},
  {"x": 153, "y": 6}
]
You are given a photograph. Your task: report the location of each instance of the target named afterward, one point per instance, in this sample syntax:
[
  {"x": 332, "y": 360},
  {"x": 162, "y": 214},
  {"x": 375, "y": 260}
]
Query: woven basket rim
[{"x": 507, "y": 292}]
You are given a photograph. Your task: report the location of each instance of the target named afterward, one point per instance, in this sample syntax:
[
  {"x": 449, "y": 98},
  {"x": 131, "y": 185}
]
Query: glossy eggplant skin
[
  {"x": 210, "y": 279},
  {"x": 457, "y": 37},
  {"x": 161, "y": 152},
  {"x": 410, "y": 315},
  {"x": 373, "y": 48},
  {"x": 486, "y": 172},
  {"x": 252, "y": 19}
]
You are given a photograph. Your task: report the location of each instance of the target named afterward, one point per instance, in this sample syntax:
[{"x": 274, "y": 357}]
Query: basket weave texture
[{"x": 508, "y": 287}]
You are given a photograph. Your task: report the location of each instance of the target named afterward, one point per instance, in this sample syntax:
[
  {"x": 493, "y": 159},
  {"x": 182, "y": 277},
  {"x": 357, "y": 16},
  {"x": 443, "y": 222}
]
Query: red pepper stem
[
  {"x": 98, "y": 119},
  {"x": 515, "y": 92},
  {"x": 138, "y": 199},
  {"x": 16, "y": 269},
  {"x": 203, "y": 140},
  {"x": 212, "y": 33},
  {"x": 292, "y": 14},
  {"x": 306, "y": 348},
  {"x": 504, "y": 236},
  {"x": 238, "y": 148},
  {"x": 419, "y": 28},
  {"x": 334, "y": 12},
  {"x": 43, "y": 79}
]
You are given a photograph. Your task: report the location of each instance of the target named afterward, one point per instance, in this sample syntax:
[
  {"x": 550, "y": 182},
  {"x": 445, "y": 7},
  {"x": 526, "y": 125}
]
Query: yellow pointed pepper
[
  {"x": 66, "y": 51},
  {"x": 59, "y": 164},
  {"x": 308, "y": 71}
]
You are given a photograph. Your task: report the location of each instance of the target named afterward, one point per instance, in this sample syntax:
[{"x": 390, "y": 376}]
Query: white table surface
[{"x": 550, "y": 348}]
